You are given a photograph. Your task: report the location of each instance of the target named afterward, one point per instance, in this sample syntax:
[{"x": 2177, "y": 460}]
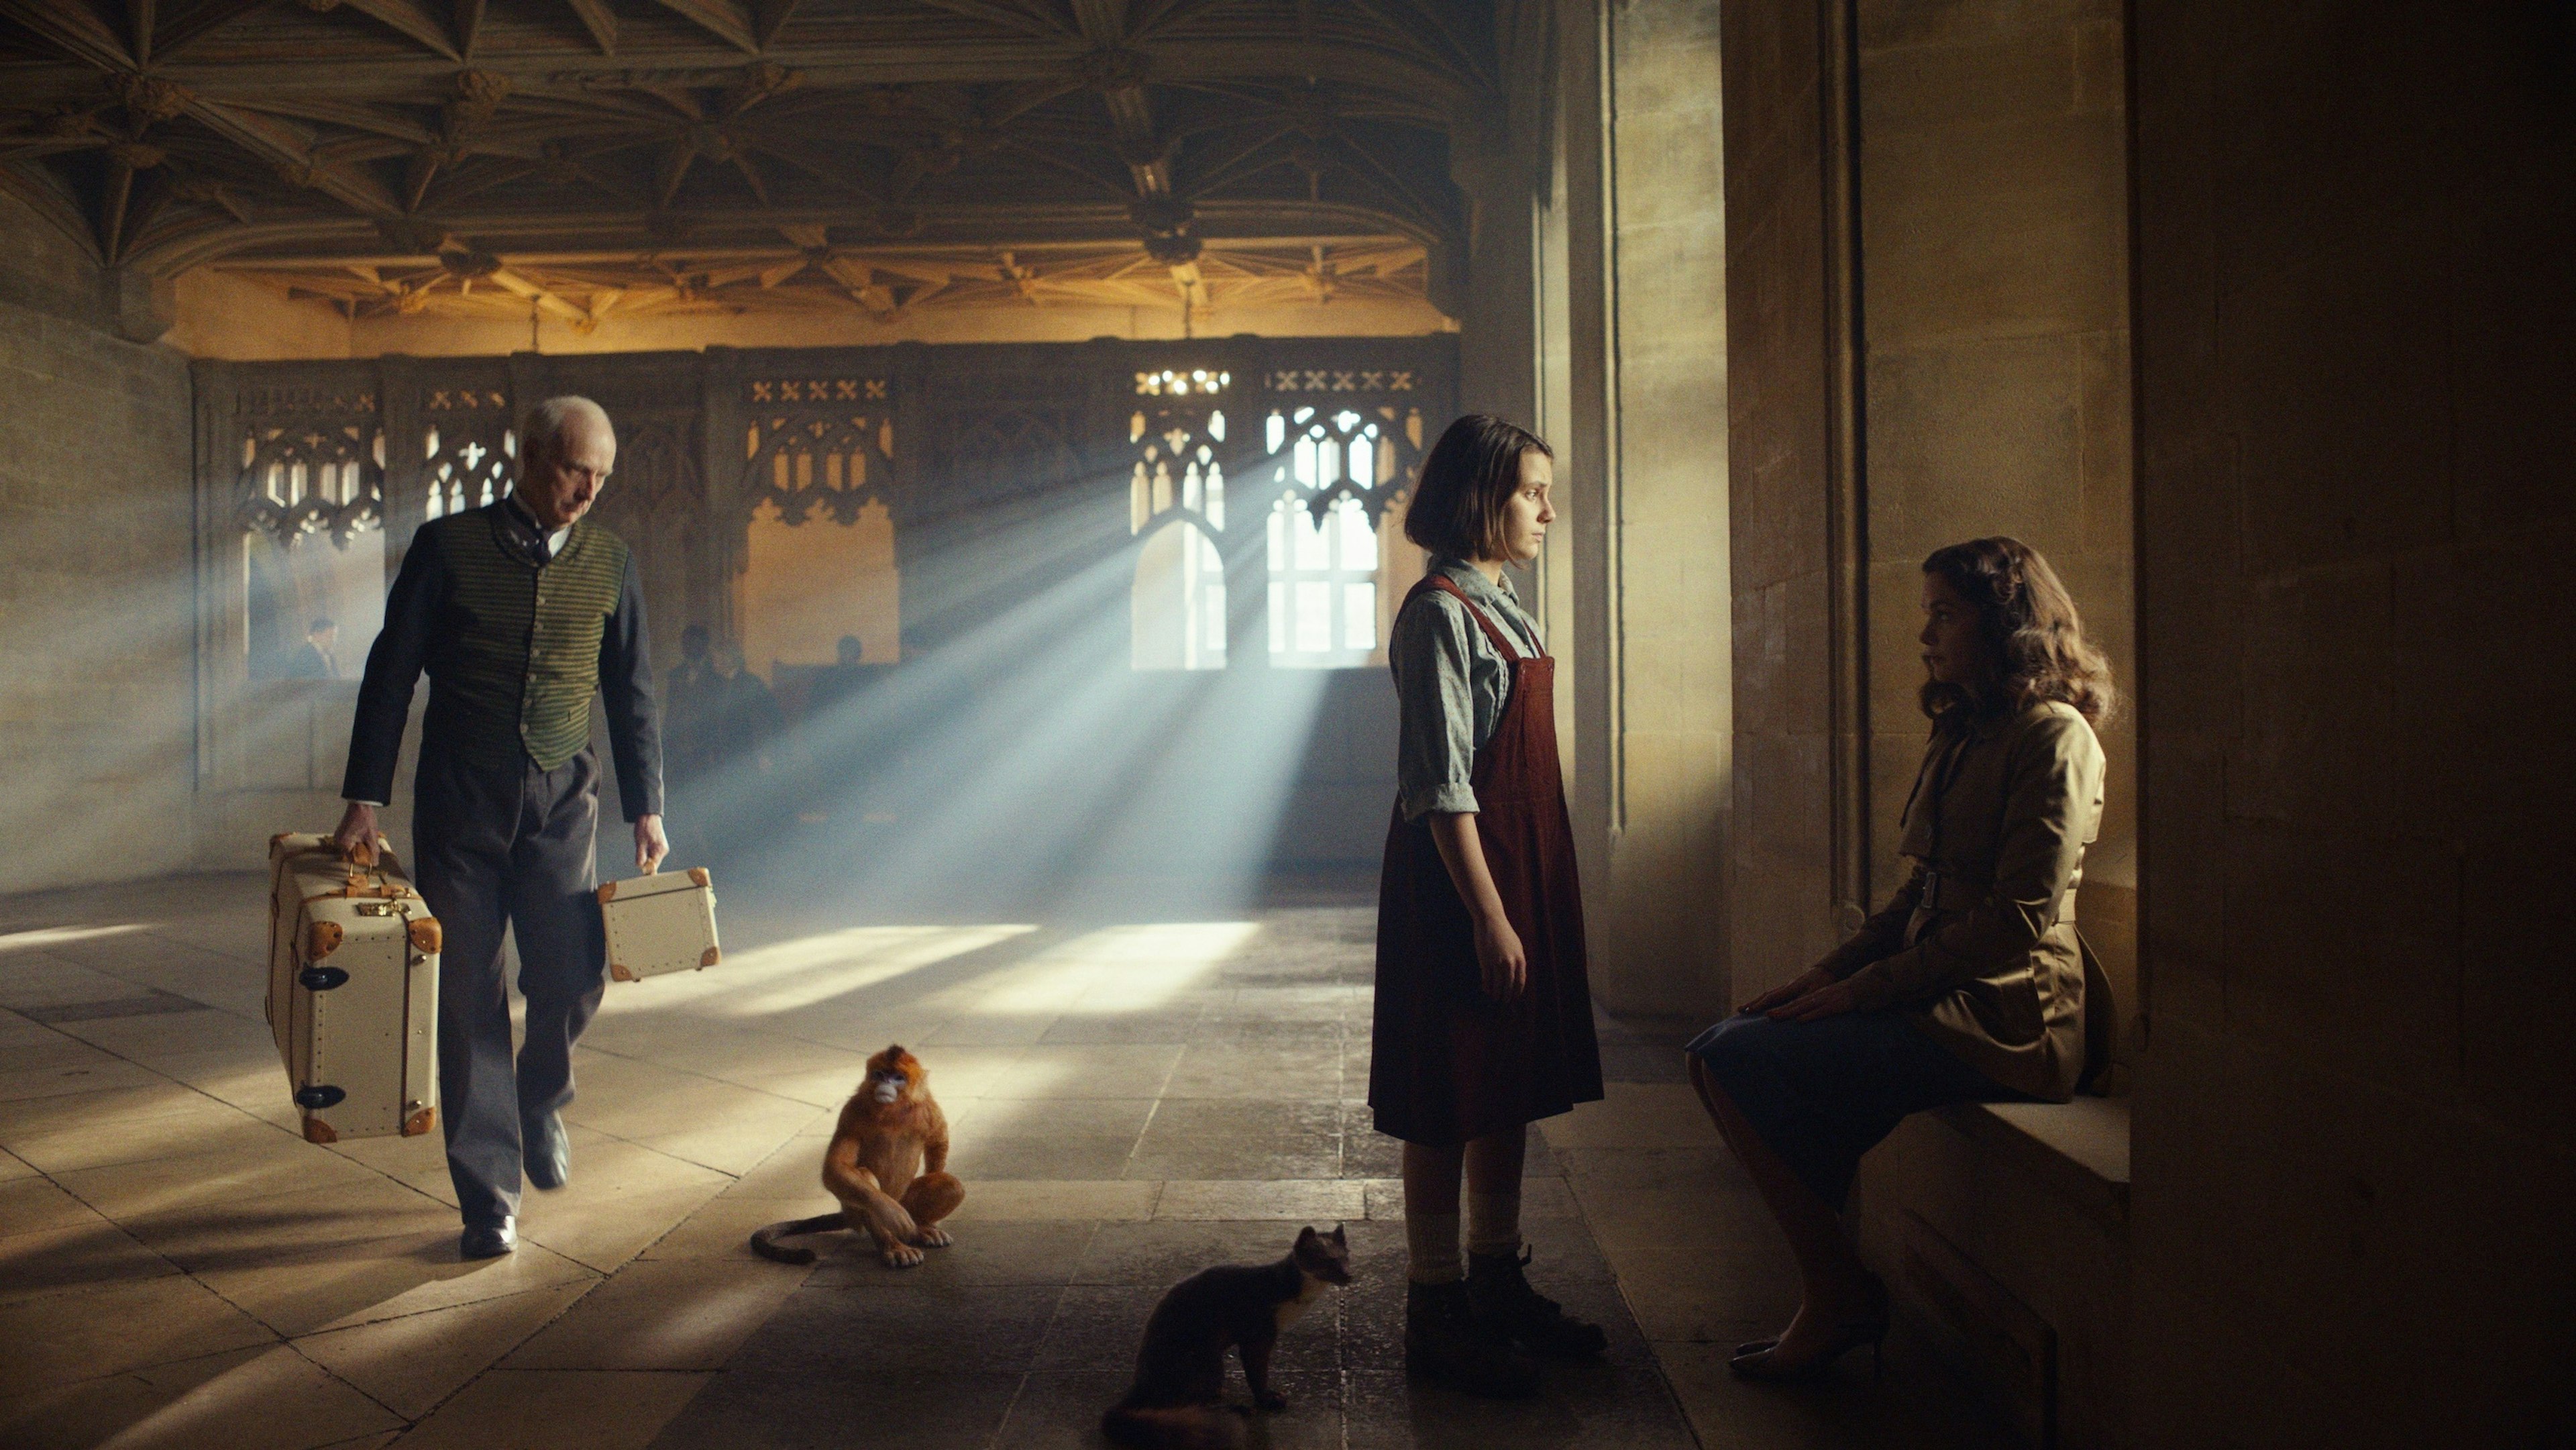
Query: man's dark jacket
[{"x": 514, "y": 644}]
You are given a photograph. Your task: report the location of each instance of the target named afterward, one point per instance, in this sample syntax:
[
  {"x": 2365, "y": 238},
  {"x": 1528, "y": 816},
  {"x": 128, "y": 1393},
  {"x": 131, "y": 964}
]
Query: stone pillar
[{"x": 1670, "y": 692}]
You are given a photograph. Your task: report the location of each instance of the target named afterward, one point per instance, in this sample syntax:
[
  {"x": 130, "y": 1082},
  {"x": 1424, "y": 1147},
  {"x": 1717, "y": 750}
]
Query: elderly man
[{"x": 519, "y": 612}]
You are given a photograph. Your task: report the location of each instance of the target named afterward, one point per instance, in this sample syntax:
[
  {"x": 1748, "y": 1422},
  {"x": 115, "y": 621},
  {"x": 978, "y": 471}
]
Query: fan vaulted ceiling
[{"x": 587, "y": 156}]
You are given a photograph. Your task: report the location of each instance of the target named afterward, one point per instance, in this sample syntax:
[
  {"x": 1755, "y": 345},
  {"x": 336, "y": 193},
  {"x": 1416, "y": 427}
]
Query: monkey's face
[{"x": 892, "y": 1075}]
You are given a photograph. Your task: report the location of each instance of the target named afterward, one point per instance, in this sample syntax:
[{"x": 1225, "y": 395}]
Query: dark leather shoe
[
  {"x": 1446, "y": 1344},
  {"x": 1502, "y": 1297},
  {"x": 488, "y": 1240},
  {"x": 548, "y": 1151}
]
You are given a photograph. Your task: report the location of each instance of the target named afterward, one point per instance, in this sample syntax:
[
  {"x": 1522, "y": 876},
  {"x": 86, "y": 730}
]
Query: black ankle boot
[
  {"x": 1444, "y": 1343},
  {"x": 1504, "y": 1301}
]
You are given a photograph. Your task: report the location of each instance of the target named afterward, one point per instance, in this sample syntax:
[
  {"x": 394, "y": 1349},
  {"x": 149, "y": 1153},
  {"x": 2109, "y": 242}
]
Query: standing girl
[{"x": 1483, "y": 1020}]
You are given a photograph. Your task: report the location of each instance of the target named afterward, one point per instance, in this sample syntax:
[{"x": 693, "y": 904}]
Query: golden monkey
[{"x": 888, "y": 1167}]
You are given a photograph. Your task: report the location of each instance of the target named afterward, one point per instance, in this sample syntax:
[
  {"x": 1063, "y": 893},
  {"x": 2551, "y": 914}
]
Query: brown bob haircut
[
  {"x": 2030, "y": 626},
  {"x": 1475, "y": 468}
]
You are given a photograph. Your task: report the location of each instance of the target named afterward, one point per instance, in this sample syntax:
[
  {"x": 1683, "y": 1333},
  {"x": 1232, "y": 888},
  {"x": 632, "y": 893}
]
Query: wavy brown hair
[{"x": 2031, "y": 627}]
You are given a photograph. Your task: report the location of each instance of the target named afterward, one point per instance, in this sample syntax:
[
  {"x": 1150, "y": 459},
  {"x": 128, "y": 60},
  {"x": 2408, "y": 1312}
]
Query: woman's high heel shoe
[
  {"x": 1753, "y": 1358},
  {"x": 1755, "y": 1361}
]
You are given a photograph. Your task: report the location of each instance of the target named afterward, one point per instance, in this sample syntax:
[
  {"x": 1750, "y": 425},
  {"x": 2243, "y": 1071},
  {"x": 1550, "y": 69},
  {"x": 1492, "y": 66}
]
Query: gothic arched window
[{"x": 1337, "y": 468}]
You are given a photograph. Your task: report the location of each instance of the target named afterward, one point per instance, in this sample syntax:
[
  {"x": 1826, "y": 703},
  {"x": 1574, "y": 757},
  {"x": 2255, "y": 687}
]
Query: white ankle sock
[
  {"x": 1494, "y": 1223},
  {"x": 1432, "y": 1241}
]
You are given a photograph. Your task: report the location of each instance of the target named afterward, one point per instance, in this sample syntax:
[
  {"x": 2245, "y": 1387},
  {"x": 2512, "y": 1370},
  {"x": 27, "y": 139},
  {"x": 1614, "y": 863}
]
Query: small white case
[{"x": 658, "y": 924}]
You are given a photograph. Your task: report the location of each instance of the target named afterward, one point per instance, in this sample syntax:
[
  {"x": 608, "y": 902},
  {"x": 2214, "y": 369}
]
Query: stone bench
[{"x": 2003, "y": 1233}]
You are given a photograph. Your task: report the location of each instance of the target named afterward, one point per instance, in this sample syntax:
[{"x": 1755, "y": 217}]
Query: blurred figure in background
[
  {"x": 739, "y": 788},
  {"x": 746, "y": 717},
  {"x": 843, "y": 682},
  {"x": 317, "y": 658},
  {"x": 690, "y": 707}
]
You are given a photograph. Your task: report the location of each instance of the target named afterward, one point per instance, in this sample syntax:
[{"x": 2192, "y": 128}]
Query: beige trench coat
[{"x": 1980, "y": 943}]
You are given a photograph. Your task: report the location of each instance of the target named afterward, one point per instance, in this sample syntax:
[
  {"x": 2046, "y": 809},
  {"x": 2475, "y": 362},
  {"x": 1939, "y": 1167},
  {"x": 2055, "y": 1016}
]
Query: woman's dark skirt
[{"x": 1823, "y": 1093}]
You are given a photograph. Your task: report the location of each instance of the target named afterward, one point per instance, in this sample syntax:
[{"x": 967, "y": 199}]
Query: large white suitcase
[
  {"x": 352, "y": 991},
  {"x": 659, "y": 924}
]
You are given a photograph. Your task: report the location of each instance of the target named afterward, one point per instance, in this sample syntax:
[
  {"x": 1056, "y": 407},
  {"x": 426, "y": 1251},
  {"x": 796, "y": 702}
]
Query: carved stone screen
[{"x": 1106, "y": 520}]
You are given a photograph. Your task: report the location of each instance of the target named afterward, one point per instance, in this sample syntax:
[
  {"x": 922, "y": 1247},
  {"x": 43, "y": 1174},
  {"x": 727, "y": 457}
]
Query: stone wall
[
  {"x": 1780, "y": 440},
  {"x": 1994, "y": 239},
  {"x": 96, "y": 622},
  {"x": 2357, "y": 582}
]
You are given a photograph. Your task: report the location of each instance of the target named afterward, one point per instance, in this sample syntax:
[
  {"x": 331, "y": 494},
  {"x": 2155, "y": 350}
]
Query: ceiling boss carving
[{"x": 587, "y": 158}]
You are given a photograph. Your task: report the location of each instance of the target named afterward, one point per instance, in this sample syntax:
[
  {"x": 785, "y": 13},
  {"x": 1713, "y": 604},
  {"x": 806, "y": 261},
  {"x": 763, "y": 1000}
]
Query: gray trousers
[{"x": 507, "y": 847}]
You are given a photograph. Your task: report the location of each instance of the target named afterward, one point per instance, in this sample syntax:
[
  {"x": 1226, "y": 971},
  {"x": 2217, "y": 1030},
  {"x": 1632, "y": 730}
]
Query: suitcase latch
[{"x": 379, "y": 908}]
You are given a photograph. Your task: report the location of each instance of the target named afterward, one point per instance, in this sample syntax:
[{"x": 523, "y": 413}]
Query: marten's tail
[
  {"x": 1174, "y": 1427},
  {"x": 764, "y": 1241}
]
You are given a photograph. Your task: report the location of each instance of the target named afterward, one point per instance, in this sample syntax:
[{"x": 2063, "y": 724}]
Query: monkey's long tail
[
  {"x": 1175, "y": 1427},
  {"x": 765, "y": 1241}
]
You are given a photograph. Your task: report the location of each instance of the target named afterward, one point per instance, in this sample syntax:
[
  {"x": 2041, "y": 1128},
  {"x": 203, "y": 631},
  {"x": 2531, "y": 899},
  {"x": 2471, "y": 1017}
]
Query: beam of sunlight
[
  {"x": 767, "y": 981},
  {"x": 51, "y": 936},
  {"x": 1022, "y": 760}
]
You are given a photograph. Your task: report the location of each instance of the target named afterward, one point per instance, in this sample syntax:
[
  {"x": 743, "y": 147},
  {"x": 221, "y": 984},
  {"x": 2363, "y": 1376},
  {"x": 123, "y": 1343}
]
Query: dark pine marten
[{"x": 1180, "y": 1370}]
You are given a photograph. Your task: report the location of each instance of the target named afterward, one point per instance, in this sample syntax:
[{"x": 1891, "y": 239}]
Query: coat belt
[{"x": 1949, "y": 893}]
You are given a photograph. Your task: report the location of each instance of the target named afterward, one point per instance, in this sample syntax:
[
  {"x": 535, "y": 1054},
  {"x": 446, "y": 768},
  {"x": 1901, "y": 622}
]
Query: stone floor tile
[
  {"x": 1084, "y": 1117},
  {"x": 1163, "y": 1252},
  {"x": 249, "y": 1078},
  {"x": 669, "y": 1314},
  {"x": 1256, "y": 1070},
  {"x": 174, "y": 1034},
  {"x": 1171, "y": 1157},
  {"x": 91, "y": 1412},
  {"x": 365, "y": 1283},
  {"x": 63, "y": 1337},
  {"x": 773, "y": 1409},
  {"x": 1703, "y": 1297},
  {"x": 77, "y": 1256},
  {"x": 270, "y": 1398},
  {"x": 721, "y": 1227},
  {"x": 1039, "y": 1255},
  {"x": 1085, "y": 1024},
  {"x": 188, "y": 1123},
  {"x": 1055, "y": 1072},
  {"x": 412, "y": 1363},
  {"x": 620, "y": 1199},
  {"x": 1097, "y": 1328},
  {"x": 1845, "y": 1409},
  {"x": 1321, "y": 1202},
  {"x": 209, "y": 1235},
  {"x": 1635, "y": 1115},
  {"x": 1067, "y": 1158},
  {"x": 51, "y": 1069},
  {"x": 35, "y": 1205},
  {"x": 994, "y": 1029},
  {"x": 1061, "y": 1411},
  {"x": 1608, "y": 1406},
  {"x": 580, "y": 1410},
  {"x": 1024, "y": 1200},
  {"x": 918, "y": 1328},
  {"x": 737, "y": 1141},
  {"x": 793, "y": 1169},
  {"x": 13, "y": 1168},
  {"x": 35, "y": 980},
  {"x": 259, "y": 1165}
]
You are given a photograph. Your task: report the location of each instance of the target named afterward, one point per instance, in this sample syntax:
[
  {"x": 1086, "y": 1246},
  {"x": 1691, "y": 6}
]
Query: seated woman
[{"x": 1969, "y": 985}]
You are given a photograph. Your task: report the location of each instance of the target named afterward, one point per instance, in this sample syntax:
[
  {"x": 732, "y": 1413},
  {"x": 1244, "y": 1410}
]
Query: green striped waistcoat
[{"x": 519, "y": 660}]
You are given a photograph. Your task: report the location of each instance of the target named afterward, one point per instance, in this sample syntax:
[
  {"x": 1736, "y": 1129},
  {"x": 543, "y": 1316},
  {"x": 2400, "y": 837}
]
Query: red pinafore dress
[{"x": 1448, "y": 1063}]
